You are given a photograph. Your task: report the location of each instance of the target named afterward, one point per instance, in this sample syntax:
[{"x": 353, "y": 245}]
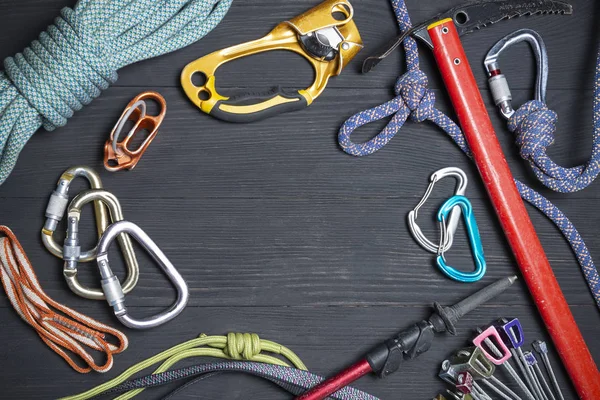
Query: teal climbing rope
[{"x": 78, "y": 56}]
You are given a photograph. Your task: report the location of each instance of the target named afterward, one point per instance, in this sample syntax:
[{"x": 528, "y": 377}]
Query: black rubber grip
[{"x": 251, "y": 98}]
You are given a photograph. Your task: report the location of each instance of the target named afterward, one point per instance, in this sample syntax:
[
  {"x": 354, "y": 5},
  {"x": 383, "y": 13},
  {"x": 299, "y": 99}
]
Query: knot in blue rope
[
  {"x": 60, "y": 72},
  {"x": 412, "y": 87},
  {"x": 413, "y": 100},
  {"x": 534, "y": 124}
]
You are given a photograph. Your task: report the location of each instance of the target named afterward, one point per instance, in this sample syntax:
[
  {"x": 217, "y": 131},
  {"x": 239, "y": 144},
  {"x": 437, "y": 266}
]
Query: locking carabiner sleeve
[
  {"x": 117, "y": 154},
  {"x": 71, "y": 249},
  {"x": 461, "y": 188},
  {"x": 57, "y": 205},
  {"x": 326, "y": 42},
  {"x": 497, "y": 81},
  {"x": 474, "y": 240},
  {"x": 112, "y": 287}
]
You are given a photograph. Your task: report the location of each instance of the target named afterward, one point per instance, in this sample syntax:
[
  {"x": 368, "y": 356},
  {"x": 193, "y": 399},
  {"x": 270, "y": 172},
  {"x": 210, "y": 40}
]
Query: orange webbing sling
[{"x": 65, "y": 331}]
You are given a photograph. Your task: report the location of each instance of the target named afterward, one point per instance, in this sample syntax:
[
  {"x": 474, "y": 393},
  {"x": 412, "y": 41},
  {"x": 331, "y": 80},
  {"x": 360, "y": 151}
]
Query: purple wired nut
[
  {"x": 530, "y": 358},
  {"x": 511, "y": 332},
  {"x": 540, "y": 346}
]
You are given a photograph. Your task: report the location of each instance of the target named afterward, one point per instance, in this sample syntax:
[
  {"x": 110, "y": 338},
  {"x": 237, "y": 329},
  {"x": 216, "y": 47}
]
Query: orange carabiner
[{"x": 117, "y": 155}]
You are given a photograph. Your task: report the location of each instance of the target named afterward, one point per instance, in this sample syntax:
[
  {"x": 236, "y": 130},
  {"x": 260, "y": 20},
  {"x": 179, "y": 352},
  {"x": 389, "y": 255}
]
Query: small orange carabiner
[{"x": 117, "y": 155}]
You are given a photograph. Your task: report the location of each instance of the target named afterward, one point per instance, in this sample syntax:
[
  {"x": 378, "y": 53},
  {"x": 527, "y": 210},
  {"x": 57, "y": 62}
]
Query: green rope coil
[{"x": 78, "y": 56}]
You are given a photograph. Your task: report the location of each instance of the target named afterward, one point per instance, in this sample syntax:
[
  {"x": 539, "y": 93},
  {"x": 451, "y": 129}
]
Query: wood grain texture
[
  {"x": 275, "y": 229},
  {"x": 326, "y": 338}
]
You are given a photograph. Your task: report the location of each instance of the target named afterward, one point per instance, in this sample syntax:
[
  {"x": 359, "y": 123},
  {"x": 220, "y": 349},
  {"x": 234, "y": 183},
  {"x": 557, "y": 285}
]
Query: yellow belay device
[{"x": 325, "y": 35}]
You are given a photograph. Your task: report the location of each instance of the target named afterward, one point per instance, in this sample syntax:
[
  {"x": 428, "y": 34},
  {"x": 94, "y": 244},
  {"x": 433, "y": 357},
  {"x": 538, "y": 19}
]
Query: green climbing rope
[
  {"x": 78, "y": 56},
  {"x": 234, "y": 346}
]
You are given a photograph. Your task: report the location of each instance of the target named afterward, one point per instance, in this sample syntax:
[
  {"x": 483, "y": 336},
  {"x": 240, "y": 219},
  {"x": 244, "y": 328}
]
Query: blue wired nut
[
  {"x": 540, "y": 346},
  {"x": 530, "y": 358}
]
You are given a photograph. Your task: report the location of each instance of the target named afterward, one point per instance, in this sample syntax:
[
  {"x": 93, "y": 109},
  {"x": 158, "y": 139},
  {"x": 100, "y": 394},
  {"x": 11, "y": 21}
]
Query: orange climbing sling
[{"x": 64, "y": 330}]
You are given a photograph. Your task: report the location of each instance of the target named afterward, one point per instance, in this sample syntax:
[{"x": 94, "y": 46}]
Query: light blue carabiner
[{"x": 474, "y": 240}]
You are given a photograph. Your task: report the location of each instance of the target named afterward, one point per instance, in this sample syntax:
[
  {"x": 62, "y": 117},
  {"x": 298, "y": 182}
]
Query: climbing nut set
[{"x": 62, "y": 71}]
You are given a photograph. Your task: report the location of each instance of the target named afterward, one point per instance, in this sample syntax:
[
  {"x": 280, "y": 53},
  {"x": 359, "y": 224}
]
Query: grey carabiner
[
  {"x": 57, "y": 206},
  {"x": 112, "y": 287},
  {"x": 461, "y": 188},
  {"x": 71, "y": 249},
  {"x": 497, "y": 81}
]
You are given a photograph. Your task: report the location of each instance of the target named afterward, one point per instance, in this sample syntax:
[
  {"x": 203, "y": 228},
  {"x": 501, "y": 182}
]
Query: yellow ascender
[{"x": 325, "y": 35}]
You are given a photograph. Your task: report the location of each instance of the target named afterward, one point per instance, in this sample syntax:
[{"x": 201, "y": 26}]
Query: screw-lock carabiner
[
  {"x": 57, "y": 206},
  {"x": 71, "y": 249},
  {"x": 474, "y": 240},
  {"x": 497, "y": 81},
  {"x": 112, "y": 287},
  {"x": 461, "y": 188}
]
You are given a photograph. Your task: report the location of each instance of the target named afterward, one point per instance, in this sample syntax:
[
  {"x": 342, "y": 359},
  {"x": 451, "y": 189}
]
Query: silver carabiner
[
  {"x": 57, "y": 205},
  {"x": 461, "y": 188},
  {"x": 497, "y": 81},
  {"x": 72, "y": 250},
  {"x": 112, "y": 287}
]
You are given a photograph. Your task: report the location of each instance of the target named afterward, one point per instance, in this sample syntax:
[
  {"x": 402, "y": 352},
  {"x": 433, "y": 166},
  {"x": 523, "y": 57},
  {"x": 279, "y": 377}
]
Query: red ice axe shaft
[{"x": 499, "y": 182}]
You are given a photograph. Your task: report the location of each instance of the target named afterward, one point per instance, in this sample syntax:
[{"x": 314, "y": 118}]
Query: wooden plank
[
  {"x": 275, "y": 229},
  {"x": 326, "y": 338},
  {"x": 293, "y": 155},
  {"x": 568, "y": 62},
  {"x": 287, "y": 252}
]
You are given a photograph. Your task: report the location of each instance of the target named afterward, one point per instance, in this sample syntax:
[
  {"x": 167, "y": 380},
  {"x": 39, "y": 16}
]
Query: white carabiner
[
  {"x": 455, "y": 214},
  {"x": 112, "y": 287}
]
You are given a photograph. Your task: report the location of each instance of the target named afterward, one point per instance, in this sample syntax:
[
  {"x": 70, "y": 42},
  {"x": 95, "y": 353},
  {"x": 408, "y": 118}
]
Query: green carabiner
[{"x": 474, "y": 240}]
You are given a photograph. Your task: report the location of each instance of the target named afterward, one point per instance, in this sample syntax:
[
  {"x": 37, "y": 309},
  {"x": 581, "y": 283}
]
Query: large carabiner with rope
[
  {"x": 112, "y": 287},
  {"x": 326, "y": 36},
  {"x": 496, "y": 79},
  {"x": 72, "y": 249},
  {"x": 57, "y": 205}
]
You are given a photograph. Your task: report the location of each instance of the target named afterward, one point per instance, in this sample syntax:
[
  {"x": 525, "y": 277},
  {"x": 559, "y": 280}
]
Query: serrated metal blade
[{"x": 473, "y": 16}]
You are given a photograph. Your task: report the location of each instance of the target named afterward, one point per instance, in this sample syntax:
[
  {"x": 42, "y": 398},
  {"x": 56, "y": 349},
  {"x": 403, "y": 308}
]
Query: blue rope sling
[
  {"x": 78, "y": 57},
  {"x": 534, "y": 125}
]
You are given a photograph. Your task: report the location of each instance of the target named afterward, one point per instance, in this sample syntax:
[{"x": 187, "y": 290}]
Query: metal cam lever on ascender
[{"x": 325, "y": 35}]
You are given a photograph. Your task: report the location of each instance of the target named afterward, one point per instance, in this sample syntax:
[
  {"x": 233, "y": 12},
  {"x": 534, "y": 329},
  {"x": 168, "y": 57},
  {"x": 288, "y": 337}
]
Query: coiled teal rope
[{"x": 78, "y": 56}]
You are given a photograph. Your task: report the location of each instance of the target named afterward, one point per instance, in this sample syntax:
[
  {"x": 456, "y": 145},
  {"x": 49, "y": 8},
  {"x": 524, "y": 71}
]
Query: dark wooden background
[{"x": 279, "y": 232}]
